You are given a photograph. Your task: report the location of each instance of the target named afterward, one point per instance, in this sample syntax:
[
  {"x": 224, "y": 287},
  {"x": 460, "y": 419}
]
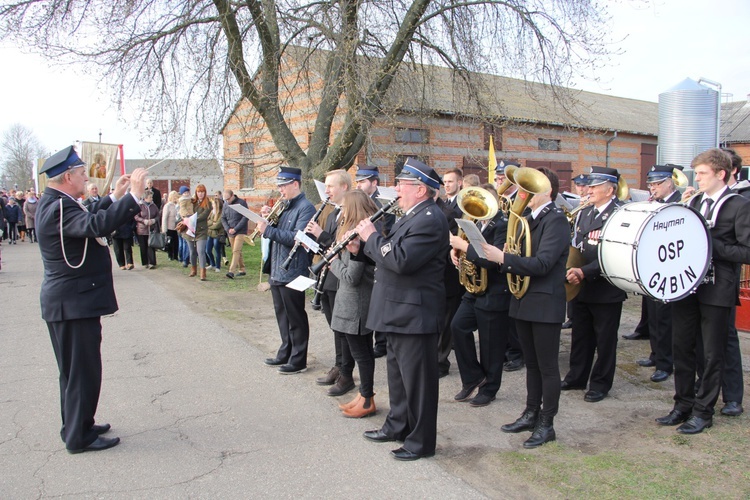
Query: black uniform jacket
[
  {"x": 595, "y": 289},
  {"x": 85, "y": 292},
  {"x": 408, "y": 295},
  {"x": 497, "y": 296},
  {"x": 730, "y": 242},
  {"x": 544, "y": 301}
]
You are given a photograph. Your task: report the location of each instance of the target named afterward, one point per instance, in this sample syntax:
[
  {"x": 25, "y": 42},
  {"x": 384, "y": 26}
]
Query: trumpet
[
  {"x": 273, "y": 218},
  {"x": 285, "y": 265},
  {"x": 689, "y": 200},
  {"x": 572, "y": 214}
]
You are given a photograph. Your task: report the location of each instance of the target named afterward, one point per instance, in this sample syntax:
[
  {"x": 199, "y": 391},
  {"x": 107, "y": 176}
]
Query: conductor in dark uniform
[
  {"x": 407, "y": 301},
  {"x": 77, "y": 288},
  {"x": 597, "y": 310},
  {"x": 703, "y": 317}
]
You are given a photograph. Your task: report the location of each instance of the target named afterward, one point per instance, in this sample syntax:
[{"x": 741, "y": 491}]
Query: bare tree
[
  {"x": 20, "y": 150},
  {"x": 188, "y": 63}
]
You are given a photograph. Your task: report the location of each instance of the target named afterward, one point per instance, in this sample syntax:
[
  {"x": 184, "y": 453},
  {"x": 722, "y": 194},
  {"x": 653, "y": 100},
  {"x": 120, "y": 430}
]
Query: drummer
[
  {"x": 662, "y": 188},
  {"x": 597, "y": 310}
]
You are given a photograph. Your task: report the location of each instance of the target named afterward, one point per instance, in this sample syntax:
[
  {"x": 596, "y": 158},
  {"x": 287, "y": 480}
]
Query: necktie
[{"x": 707, "y": 209}]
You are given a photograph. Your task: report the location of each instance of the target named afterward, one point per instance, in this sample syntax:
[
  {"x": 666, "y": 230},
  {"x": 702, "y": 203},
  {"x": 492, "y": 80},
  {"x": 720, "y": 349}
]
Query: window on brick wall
[
  {"x": 412, "y": 135},
  {"x": 247, "y": 148},
  {"x": 496, "y": 131},
  {"x": 248, "y": 175},
  {"x": 401, "y": 159},
  {"x": 549, "y": 144}
]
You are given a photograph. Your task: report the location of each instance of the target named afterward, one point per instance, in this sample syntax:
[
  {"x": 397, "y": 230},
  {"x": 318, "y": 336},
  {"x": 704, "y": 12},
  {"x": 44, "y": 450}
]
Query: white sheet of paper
[
  {"x": 310, "y": 243},
  {"x": 191, "y": 222},
  {"x": 639, "y": 194},
  {"x": 321, "y": 189},
  {"x": 474, "y": 234},
  {"x": 301, "y": 283},
  {"x": 247, "y": 213},
  {"x": 388, "y": 193}
]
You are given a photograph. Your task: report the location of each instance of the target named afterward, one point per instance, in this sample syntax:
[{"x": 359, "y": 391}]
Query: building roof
[
  {"x": 735, "y": 122},
  {"x": 522, "y": 101},
  {"x": 176, "y": 168}
]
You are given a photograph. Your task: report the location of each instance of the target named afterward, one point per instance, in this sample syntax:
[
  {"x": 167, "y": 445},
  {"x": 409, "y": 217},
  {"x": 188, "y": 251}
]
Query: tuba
[
  {"x": 529, "y": 182},
  {"x": 476, "y": 204},
  {"x": 504, "y": 203}
]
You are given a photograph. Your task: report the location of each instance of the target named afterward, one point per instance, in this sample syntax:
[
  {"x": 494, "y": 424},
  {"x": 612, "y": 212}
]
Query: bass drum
[{"x": 655, "y": 249}]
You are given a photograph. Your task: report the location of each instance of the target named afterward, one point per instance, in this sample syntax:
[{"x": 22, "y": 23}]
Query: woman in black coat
[{"x": 122, "y": 242}]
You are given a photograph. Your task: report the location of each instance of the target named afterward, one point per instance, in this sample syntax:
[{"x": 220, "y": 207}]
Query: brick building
[
  {"x": 433, "y": 116},
  {"x": 735, "y": 128}
]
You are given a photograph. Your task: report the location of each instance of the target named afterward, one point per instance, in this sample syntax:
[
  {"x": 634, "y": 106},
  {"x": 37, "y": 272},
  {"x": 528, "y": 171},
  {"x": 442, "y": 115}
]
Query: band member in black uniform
[
  {"x": 580, "y": 183},
  {"x": 289, "y": 304},
  {"x": 598, "y": 306},
  {"x": 367, "y": 179},
  {"x": 486, "y": 311},
  {"x": 704, "y": 316},
  {"x": 337, "y": 183},
  {"x": 661, "y": 185},
  {"x": 77, "y": 288},
  {"x": 453, "y": 289},
  {"x": 539, "y": 313},
  {"x": 407, "y": 299}
]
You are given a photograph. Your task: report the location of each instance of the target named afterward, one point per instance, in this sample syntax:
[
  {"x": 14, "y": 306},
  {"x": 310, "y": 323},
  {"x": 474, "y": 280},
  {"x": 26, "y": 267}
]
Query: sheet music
[
  {"x": 301, "y": 283},
  {"x": 321, "y": 189},
  {"x": 247, "y": 213},
  {"x": 474, "y": 235},
  {"x": 386, "y": 193},
  {"x": 310, "y": 243},
  {"x": 639, "y": 195}
]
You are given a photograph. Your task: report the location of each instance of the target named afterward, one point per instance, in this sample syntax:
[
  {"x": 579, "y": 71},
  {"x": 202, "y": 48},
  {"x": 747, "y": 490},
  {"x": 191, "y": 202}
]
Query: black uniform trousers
[
  {"x": 294, "y": 328},
  {"x": 327, "y": 301},
  {"x": 660, "y": 333},
  {"x": 445, "y": 339},
  {"x": 693, "y": 323},
  {"x": 541, "y": 349},
  {"x": 642, "y": 328},
  {"x": 77, "y": 346},
  {"x": 493, "y": 337},
  {"x": 594, "y": 331},
  {"x": 413, "y": 391},
  {"x": 514, "y": 351},
  {"x": 732, "y": 385}
]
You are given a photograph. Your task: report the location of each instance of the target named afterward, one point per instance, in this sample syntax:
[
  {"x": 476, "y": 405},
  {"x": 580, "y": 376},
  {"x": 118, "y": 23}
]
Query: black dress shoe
[
  {"x": 291, "y": 369},
  {"x": 274, "y": 362},
  {"x": 379, "y": 353},
  {"x": 481, "y": 400},
  {"x": 407, "y": 456},
  {"x": 567, "y": 386},
  {"x": 101, "y": 428},
  {"x": 513, "y": 365},
  {"x": 659, "y": 376},
  {"x": 466, "y": 391},
  {"x": 101, "y": 443},
  {"x": 732, "y": 409},
  {"x": 646, "y": 362},
  {"x": 543, "y": 433},
  {"x": 594, "y": 396},
  {"x": 635, "y": 336},
  {"x": 695, "y": 425},
  {"x": 378, "y": 436},
  {"x": 567, "y": 324},
  {"x": 675, "y": 417}
]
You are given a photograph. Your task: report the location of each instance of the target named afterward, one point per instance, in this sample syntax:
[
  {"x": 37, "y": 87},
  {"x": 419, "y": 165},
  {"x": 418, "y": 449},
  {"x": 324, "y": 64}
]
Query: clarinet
[
  {"x": 285, "y": 265},
  {"x": 317, "y": 268},
  {"x": 315, "y": 302}
]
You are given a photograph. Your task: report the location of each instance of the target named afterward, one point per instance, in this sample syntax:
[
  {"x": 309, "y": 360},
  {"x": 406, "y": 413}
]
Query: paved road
[{"x": 198, "y": 414}]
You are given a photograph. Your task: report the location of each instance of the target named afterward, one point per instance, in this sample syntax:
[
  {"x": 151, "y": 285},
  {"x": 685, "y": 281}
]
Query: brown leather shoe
[
  {"x": 193, "y": 271},
  {"x": 203, "y": 274},
  {"x": 364, "y": 408},
  {"x": 351, "y": 404},
  {"x": 329, "y": 378},
  {"x": 342, "y": 386}
]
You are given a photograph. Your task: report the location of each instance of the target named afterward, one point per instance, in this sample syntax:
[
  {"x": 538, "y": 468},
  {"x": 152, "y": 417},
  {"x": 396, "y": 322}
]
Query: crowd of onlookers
[{"x": 195, "y": 226}]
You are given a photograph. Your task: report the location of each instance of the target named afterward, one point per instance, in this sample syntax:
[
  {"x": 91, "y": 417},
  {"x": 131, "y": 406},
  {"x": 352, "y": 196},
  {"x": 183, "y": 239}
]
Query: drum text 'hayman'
[{"x": 670, "y": 223}]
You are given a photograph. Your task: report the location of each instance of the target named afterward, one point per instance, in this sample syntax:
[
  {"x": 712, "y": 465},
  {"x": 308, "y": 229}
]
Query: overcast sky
[{"x": 662, "y": 43}]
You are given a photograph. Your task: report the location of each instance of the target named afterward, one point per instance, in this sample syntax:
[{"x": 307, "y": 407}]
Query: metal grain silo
[{"x": 688, "y": 119}]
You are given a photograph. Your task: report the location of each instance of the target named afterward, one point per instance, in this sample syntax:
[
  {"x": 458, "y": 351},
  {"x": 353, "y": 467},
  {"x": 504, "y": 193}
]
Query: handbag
[{"x": 157, "y": 240}]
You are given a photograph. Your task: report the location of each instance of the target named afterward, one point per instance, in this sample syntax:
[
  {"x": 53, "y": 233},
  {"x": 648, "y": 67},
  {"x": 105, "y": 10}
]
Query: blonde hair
[
  {"x": 342, "y": 176},
  {"x": 173, "y": 197},
  {"x": 357, "y": 206}
]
